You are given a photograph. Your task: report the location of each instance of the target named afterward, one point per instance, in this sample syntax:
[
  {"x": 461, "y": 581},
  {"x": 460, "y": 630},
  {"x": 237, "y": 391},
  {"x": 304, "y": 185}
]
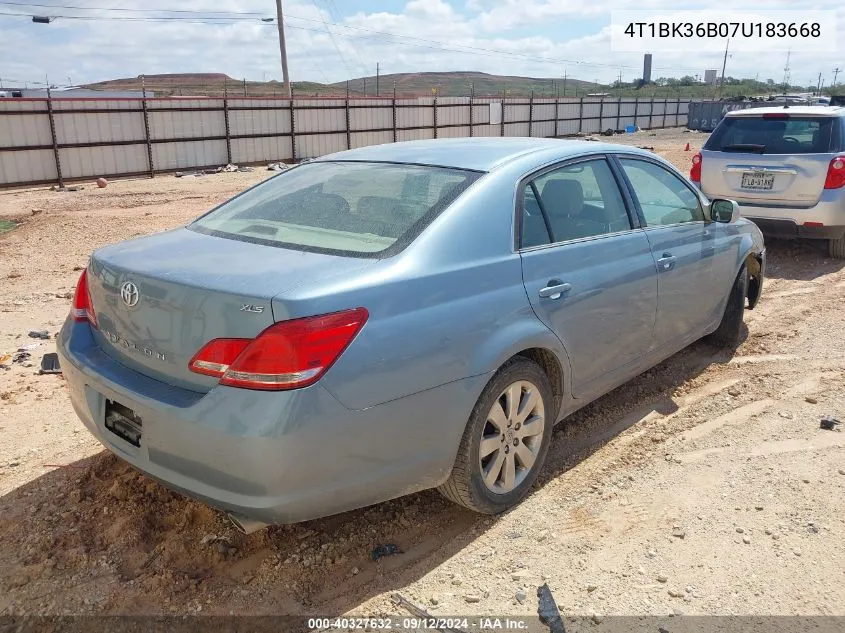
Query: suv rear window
[
  {"x": 343, "y": 208},
  {"x": 792, "y": 135}
]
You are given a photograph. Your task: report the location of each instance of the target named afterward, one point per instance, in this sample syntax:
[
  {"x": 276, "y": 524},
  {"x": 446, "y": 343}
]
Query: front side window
[
  {"x": 345, "y": 208},
  {"x": 664, "y": 197},
  {"x": 573, "y": 202}
]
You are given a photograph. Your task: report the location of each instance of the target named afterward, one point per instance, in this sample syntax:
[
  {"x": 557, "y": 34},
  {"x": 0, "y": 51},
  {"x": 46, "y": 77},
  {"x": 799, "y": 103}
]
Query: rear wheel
[
  {"x": 837, "y": 248},
  {"x": 729, "y": 330},
  {"x": 505, "y": 441}
]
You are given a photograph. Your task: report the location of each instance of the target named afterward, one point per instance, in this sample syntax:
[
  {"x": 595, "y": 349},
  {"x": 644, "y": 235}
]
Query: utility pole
[
  {"x": 835, "y": 75},
  {"x": 564, "y": 83},
  {"x": 819, "y": 87},
  {"x": 377, "y": 77},
  {"x": 286, "y": 87},
  {"x": 724, "y": 63}
]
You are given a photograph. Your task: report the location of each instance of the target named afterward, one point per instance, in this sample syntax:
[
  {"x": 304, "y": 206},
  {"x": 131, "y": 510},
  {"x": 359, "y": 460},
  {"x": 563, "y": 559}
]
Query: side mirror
[{"x": 725, "y": 211}]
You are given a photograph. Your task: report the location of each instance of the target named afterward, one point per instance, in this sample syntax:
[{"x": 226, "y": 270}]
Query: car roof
[
  {"x": 797, "y": 110},
  {"x": 478, "y": 154}
]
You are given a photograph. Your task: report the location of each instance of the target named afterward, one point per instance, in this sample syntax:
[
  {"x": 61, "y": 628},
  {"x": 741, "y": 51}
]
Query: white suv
[{"x": 785, "y": 166}]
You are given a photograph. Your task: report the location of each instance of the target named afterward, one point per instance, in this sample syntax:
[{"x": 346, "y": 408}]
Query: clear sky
[{"x": 332, "y": 40}]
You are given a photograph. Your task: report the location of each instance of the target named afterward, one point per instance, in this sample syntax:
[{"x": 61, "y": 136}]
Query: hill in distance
[{"x": 447, "y": 84}]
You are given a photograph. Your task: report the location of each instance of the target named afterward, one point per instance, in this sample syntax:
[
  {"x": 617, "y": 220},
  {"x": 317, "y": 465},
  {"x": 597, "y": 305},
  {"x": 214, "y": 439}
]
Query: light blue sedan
[{"x": 399, "y": 317}]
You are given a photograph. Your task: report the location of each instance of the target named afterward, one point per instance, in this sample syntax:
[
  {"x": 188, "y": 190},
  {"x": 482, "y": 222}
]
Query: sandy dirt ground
[{"x": 704, "y": 486}]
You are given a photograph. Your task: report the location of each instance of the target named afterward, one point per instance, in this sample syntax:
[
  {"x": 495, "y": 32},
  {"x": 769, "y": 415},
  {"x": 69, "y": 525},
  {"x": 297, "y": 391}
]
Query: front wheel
[
  {"x": 730, "y": 329},
  {"x": 505, "y": 441},
  {"x": 837, "y": 248}
]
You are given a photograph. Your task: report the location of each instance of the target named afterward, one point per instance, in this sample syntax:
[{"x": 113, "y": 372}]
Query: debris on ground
[
  {"x": 277, "y": 167},
  {"x": 548, "y": 610},
  {"x": 648, "y": 147},
  {"x": 829, "y": 423},
  {"x": 39, "y": 334},
  {"x": 388, "y": 549},
  {"x": 20, "y": 357},
  {"x": 50, "y": 364},
  {"x": 102, "y": 183},
  {"x": 608, "y": 132},
  {"x": 189, "y": 174},
  {"x": 73, "y": 188}
]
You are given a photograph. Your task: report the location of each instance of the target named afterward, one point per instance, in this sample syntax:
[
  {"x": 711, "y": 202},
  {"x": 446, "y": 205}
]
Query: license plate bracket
[
  {"x": 124, "y": 422},
  {"x": 757, "y": 180}
]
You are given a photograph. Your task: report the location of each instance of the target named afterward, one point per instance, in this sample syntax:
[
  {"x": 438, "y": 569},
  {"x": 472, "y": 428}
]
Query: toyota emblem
[{"x": 129, "y": 293}]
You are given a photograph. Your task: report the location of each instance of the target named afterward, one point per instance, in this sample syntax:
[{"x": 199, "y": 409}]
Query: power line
[
  {"x": 232, "y": 15},
  {"x": 67, "y": 6}
]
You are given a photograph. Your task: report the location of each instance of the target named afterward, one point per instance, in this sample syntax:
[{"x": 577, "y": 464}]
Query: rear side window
[
  {"x": 575, "y": 201},
  {"x": 344, "y": 208},
  {"x": 791, "y": 135}
]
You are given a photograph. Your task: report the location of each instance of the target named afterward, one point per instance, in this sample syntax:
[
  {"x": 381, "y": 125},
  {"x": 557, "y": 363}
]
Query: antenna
[{"x": 786, "y": 72}]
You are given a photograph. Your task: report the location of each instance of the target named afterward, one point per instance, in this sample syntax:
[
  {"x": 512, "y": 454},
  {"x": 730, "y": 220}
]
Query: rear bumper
[
  {"x": 278, "y": 457},
  {"x": 826, "y": 217},
  {"x": 790, "y": 229}
]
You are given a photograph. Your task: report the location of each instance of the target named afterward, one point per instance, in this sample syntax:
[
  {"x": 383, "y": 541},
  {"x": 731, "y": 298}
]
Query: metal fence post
[
  {"x": 636, "y": 111},
  {"x": 502, "y": 122},
  {"x": 348, "y": 130},
  {"x": 228, "y": 134},
  {"x": 150, "y": 146},
  {"x": 531, "y": 115},
  {"x": 557, "y": 112},
  {"x": 678, "y": 111},
  {"x": 471, "y": 96},
  {"x": 394, "y": 111},
  {"x": 650, "y": 112},
  {"x": 618, "y": 111},
  {"x": 581, "y": 115},
  {"x": 663, "y": 121},
  {"x": 601, "y": 113},
  {"x": 292, "y": 131},
  {"x": 53, "y": 135},
  {"x": 434, "y": 114}
]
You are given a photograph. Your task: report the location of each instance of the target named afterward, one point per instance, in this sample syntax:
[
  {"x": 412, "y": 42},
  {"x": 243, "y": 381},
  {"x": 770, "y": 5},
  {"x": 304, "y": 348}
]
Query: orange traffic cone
[{"x": 686, "y": 149}]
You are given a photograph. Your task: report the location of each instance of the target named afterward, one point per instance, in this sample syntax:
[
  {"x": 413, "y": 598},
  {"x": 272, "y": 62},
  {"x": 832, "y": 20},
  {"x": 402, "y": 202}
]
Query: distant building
[
  {"x": 647, "y": 68},
  {"x": 710, "y": 76}
]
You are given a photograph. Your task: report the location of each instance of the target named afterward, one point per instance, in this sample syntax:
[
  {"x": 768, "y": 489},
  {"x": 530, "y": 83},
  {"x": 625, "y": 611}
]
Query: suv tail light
[
  {"x": 695, "y": 170},
  {"x": 835, "y": 173},
  {"x": 287, "y": 355},
  {"x": 82, "y": 309}
]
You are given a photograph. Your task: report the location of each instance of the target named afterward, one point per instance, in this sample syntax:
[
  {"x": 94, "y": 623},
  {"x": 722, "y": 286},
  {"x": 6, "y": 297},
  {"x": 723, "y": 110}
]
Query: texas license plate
[{"x": 757, "y": 180}]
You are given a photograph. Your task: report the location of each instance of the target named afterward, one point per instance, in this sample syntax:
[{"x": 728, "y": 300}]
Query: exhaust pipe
[{"x": 245, "y": 525}]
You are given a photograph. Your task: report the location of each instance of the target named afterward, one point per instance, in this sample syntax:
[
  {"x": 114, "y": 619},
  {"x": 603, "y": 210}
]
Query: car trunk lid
[
  {"x": 159, "y": 299},
  {"x": 776, "y": 160}
]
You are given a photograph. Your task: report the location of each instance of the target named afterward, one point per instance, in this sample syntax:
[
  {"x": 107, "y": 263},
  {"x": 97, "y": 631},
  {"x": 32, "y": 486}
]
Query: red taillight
[
  {"x": 287, "y": 355},
  {"x": 215, "y": 357},
  {"x": 776, "y": 115},
  {"x": 835, "y": 173},
  {"x": 82, "y": 310},
  {"x": 695, "y": 170}
]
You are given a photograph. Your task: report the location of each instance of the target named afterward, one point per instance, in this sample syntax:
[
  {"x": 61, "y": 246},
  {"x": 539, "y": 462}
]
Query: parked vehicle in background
[
  {"x": 399, "y": 317},
  {"x": 785, "y": 166}
]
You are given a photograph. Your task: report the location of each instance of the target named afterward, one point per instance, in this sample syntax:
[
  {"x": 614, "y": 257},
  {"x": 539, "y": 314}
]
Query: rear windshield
[
  {"x": 793, "y": 135},
  {"x": 343, "y": 208}
]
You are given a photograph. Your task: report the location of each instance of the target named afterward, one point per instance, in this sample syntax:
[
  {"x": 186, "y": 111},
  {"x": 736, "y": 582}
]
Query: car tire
[
  {"x": 730, "y": 329},
  {"x": 837, "y": 248},
  {"x": 473, "y": 482}
]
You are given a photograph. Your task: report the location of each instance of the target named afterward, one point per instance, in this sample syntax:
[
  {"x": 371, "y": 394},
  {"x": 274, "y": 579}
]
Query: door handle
[
  {"x": 554, "y": 289},
  {"x": 667, "y": 262}
]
